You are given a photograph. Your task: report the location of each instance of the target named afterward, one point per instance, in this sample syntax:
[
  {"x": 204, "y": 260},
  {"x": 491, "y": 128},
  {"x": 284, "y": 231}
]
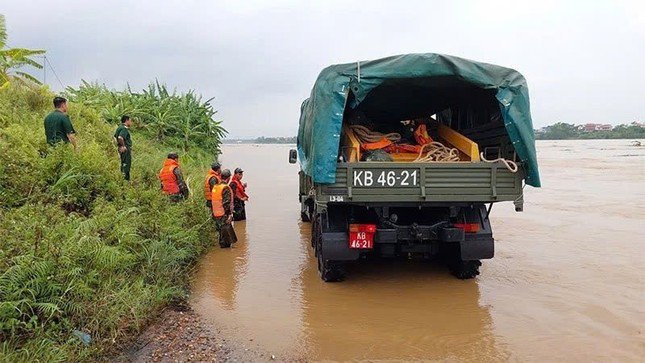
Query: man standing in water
[
  {"x": 124, "y": 141},
  {"x": 213, "y": 177},
  {"x": 239, "y": 195},
  {"x": 172, "y": 181},
  {"x": 222, "y": 201},
  {"x": 58, "y": 126}
]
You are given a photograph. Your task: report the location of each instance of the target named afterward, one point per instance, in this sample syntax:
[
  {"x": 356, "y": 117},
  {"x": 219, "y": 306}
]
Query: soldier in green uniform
[
  {"x": 58, "y": 126},
  {"x": 124, "y": 141}
]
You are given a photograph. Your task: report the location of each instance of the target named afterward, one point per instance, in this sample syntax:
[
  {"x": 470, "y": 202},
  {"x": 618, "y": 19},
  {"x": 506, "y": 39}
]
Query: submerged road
[{"x": 566, "y": 282}]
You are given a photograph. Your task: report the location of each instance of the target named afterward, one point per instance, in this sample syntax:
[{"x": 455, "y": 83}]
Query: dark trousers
[
  {"x": 239, "y": 210},
  {"x": 126, "y": 163},
  {"x": 225, "y": 231}
]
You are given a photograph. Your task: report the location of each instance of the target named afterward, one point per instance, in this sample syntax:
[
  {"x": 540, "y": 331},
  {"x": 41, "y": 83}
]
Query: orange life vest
[
  {"x": 421, "y": 135},
  {"x": 240, "y": 190},
  {"x": 168, "y": 179},
  {"x": 207, "y": 183},
  {"x": 217, "y": 199}
]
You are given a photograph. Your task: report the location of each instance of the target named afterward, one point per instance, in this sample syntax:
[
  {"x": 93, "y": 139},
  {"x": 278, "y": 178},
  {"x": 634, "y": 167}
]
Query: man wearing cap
[
  {"x": 239, "y": 195},
  {"x": 58, "y": 126},
  {"x": 214, "y": 176},
  {"x": 172, "y": 181},
  {"x": 222, "y": 208}
]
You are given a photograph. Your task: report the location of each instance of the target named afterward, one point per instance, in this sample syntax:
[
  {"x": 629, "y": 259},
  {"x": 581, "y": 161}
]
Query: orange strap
[
  {"x": 381, "y": 144},
  {"x": 404, "y": 148}
]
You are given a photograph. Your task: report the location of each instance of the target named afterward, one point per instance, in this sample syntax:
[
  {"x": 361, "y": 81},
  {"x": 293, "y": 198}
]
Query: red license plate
[{"x": 362, "y": 240}]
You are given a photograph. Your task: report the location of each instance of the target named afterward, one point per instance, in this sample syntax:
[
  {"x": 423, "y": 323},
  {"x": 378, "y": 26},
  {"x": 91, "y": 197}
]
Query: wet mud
[{"x": 566, "y": 283}]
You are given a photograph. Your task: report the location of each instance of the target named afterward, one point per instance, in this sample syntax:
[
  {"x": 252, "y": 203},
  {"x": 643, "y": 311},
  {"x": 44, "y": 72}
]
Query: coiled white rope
[
  {"x": 366, "y": 135},
  {"x": 510, "y": 164},
  {"x": 436, "y": 151}
]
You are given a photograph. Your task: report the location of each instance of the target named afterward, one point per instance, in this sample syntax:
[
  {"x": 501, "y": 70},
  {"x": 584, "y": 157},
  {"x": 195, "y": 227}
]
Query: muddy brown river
[{"x": 567, "y": 282}]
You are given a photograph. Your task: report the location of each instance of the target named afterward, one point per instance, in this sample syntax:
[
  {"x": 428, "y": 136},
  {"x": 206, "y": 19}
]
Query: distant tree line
[
  {"x": 566, "y": 131},
  {"x": 275, "y": 140}
]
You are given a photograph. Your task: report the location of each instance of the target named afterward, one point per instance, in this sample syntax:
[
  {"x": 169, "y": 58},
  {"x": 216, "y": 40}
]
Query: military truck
[{"x": 404, "y": 205}]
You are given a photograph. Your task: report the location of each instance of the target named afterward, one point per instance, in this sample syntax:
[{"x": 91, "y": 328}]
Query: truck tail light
[
  {"x": 369, "y": 228},
  {"x": 468, "y": 227}
]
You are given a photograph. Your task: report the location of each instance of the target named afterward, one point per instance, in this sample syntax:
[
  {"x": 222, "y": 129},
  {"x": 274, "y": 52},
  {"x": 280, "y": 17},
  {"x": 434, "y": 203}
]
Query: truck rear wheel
[
  {"x": 306, "y": 210},
  {"x": 314, "y": 235},
  {"x": 330, "y": 271},
  {"x": 464, "y": 270}
]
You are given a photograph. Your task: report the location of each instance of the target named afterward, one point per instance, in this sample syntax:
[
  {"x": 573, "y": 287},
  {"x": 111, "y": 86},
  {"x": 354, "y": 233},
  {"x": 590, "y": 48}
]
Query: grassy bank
[{"x": 81, "y": 249}]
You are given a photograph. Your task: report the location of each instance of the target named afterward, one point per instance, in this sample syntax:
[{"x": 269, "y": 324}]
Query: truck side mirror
[{"x": 293, "y": 156}]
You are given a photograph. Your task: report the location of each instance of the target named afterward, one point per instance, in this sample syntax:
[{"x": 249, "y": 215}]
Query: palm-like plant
[
  {"x": 177, "y": 119},
  {"x": 13, "y": 59}
]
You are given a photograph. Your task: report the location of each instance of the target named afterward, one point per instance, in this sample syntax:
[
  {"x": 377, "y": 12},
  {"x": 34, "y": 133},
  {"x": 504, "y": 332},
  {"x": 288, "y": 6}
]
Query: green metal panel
[{"x": 440, "y": 182}]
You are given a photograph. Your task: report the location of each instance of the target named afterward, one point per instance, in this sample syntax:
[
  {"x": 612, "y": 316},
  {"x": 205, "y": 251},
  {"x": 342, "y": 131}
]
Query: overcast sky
[{"x": 584, "y": 61}]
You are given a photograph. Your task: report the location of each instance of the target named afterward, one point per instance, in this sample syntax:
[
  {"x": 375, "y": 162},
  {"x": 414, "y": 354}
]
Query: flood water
[{"x": 567, "y": 282}]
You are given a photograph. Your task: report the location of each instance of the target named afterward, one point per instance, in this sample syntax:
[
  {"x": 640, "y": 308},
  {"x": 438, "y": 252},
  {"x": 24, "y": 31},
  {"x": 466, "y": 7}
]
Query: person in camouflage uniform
[
  {"x": 222, "y": 202},
  {"x": 172, "y": 180},
  {"x": 213, "y": 177},
  {"x": 239, "y": 195}
]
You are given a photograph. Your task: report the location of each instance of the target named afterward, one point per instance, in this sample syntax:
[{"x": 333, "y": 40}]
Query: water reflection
[
  {"x": 395, "y": 310},
  {"x": 249, "y": 291},
  {"x": 222, "y": 270}
]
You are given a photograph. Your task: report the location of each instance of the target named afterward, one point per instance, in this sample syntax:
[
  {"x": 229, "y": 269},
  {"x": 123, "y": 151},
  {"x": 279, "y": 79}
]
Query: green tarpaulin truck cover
[{"x": 322, "y": 113}]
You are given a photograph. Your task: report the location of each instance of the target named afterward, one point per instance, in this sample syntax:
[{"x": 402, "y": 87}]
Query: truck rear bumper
[{"x": 421, "y": 239}]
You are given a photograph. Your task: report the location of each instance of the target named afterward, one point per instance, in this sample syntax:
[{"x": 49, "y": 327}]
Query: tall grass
[{"x": 82, "y": 250}]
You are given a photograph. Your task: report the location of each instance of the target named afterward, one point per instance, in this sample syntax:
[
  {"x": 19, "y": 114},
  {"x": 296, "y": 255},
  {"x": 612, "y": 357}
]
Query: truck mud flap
[
  {"x": 479, "y": 245},
  {"x": 335, "y": 247},
  {"x": 477, "y": 249}
]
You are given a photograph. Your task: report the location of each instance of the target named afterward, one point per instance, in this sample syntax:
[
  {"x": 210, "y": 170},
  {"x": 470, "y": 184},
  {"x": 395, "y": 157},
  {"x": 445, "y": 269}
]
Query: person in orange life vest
[
  {"x": 239, "y": 195},
  {"x": 222, "y": 206},
  {"x": 214, "y": 176},
  {"x": 172, "y": 181}
]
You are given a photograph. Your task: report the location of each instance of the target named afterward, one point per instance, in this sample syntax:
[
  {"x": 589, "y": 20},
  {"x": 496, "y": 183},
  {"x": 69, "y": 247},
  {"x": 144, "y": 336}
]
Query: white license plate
[{"x": 385, "y": 178}]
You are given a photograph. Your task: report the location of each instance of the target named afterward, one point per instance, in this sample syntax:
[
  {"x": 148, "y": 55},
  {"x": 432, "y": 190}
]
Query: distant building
[
  {"x": 595, "y": 127},
  {"x": 605, "y": 127}
]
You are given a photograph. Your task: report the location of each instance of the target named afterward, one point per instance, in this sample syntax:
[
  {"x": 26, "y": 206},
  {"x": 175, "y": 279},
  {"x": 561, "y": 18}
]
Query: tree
[
  {"x": 13, "y": 59},
  {"x": 560, "y": 131}
]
